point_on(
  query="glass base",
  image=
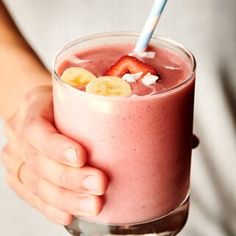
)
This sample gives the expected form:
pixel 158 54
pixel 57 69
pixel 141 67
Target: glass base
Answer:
pixel 168 225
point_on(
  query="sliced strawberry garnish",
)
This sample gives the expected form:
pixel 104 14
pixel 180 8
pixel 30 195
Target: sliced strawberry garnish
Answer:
pixel 131 65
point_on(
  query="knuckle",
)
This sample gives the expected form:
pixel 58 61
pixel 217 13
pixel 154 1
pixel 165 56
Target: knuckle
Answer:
pixel 29 98
pixel 64 178
pixel 28 122
pixel 32 159
pixel 36 92
pixel 28 127
pixel 33 185
pixel 27 110
pixel 60 197
pixel 4 154
pixel 34 97
pixel 9 129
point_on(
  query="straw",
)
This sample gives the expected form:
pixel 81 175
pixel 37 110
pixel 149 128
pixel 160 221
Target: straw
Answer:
pixel 150 25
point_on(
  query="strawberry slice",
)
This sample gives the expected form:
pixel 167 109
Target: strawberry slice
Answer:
pixel 129 64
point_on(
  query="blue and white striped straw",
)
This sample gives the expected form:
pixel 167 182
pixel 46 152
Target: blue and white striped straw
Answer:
pixel 150 26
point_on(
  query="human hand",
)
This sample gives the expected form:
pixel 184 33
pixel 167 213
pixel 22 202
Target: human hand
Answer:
pixel 47 169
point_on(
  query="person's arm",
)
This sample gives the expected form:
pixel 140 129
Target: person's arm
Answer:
pixel 20 68
pixel 43 167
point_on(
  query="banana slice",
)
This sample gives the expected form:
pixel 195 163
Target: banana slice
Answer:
pixel 109 86
pixel 77 76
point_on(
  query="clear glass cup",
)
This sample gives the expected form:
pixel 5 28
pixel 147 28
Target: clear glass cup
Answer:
pixel 149 179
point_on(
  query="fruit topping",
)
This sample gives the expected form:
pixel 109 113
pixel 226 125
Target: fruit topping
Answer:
pixel 131 65
pixel 77 76
pixel 109 86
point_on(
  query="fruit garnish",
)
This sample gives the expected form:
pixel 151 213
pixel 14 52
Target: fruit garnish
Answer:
pixel 77 76
pixel 109 86
pixel 131 65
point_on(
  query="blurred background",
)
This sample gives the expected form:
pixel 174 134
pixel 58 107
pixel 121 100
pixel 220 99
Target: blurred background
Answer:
pixel 208 29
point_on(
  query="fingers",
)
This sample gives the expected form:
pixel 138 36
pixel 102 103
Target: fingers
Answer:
pixel 10 130
pixel 85 179
pixel 76 204
pixel 52 213
pixel 44 194
pixel 52 144
pixel 35 126
pixel 55 189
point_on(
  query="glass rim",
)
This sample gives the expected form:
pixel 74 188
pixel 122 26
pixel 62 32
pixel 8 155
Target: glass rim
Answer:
pixel 177 45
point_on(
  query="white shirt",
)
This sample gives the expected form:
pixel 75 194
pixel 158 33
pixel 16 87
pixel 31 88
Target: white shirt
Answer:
pixel 208 29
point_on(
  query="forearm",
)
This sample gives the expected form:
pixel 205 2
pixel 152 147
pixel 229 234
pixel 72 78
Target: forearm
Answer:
pixel 20 68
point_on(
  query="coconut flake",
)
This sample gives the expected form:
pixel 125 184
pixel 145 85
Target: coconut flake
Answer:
pixel 172 67
pixel 145 54
pixel 149 79
pixel 132 77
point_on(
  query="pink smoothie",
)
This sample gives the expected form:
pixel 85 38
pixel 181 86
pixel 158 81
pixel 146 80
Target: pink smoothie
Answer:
pixel 143 143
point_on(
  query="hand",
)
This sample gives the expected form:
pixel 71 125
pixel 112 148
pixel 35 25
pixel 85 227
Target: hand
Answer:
pixel 46 168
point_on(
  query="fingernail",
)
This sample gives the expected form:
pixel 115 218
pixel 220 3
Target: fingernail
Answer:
pixel 86 205
pixel 71 155
pixel 91 183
